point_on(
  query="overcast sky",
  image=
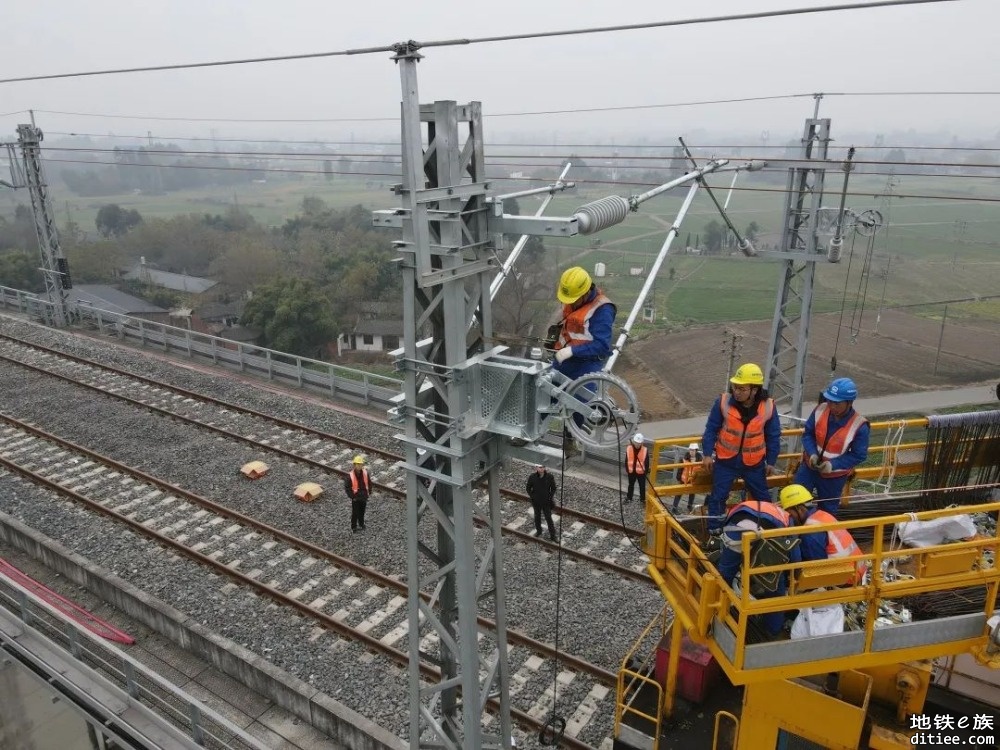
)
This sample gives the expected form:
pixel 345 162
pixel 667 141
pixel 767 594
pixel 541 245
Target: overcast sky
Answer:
pixel 947 46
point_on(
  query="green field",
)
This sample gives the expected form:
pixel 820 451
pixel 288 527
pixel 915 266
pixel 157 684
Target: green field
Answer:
pixel 931 251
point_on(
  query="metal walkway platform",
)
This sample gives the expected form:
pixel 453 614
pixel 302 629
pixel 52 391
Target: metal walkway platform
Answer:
pixel 113 693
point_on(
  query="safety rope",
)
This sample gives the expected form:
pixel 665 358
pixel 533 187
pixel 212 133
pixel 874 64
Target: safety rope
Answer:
pixel 862 295
pixel 551 733
pixel 890 451
pixel 843 305
pixel 896 544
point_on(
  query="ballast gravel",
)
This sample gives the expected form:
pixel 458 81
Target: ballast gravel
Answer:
pixel 599 616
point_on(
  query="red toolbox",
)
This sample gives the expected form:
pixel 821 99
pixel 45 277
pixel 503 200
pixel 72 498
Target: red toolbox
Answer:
pixel 697 672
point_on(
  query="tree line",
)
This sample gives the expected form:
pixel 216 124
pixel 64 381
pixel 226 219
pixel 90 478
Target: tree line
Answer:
pixel 158 168
pixel 307 280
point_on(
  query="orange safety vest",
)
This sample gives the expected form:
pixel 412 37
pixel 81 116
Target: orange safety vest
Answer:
pixel 838 442
pixel 762 507
pixel 689 470
pixel 354 481
pixel 839 542
pixel 576 323
pixel 635 463
pixel 736 438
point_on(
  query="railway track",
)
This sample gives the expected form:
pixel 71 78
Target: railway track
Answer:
pixel 375 600
pixel 333 591
pixel 588 538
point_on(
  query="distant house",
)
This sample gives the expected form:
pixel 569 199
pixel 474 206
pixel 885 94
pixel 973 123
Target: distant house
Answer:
pixel 225 313
pixel 177 282
pixel 371 336
pixel 216 319
pixel 103 297
pixel 241 334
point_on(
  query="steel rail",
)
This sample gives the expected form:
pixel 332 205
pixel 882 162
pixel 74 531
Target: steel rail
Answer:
pixel 620 570
pixel 598 521
pixel 602 675
pixel 313 549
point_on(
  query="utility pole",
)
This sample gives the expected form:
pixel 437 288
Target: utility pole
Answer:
pixel 732 343
pixel 447 266
pixel 467 408
pixel 961 227
pixel 937 356
pixel 28 173
pixel 798 246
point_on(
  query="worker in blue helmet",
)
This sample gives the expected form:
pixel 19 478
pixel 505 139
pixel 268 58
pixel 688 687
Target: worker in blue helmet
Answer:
pixel 834 442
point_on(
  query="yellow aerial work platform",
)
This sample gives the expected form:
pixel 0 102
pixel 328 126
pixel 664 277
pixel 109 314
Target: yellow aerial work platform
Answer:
pixel 788 683
pixel 895 456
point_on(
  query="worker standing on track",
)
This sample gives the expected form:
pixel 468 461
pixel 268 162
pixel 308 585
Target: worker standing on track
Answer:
pixel 541 488
pixel 358 486
pixel 636 466
pixel 742 440
pixel 834 441
pixel 584 341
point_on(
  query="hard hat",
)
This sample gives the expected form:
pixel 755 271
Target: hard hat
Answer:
pixel 748 374
pixel 573 284
pixel 638 437
pixel 358 460
pixel 841 389
pixel 794 494
pixel 693 447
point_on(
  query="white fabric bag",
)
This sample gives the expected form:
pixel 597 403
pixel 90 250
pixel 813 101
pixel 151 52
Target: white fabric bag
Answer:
pixel 812 621
pixel 936 531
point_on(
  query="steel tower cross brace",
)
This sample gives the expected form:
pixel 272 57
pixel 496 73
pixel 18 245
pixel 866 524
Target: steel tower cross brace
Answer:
pixel 447 263
pixel 54 267
pixel 785 372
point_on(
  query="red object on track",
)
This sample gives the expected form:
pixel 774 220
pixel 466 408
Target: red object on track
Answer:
pixel 78 614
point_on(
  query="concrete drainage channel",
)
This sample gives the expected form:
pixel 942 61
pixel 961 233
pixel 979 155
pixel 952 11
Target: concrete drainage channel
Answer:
pixel 341 724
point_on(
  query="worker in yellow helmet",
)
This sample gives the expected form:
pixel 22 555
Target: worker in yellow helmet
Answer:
pixel 797 501
pixel 742 439
pixel 588 316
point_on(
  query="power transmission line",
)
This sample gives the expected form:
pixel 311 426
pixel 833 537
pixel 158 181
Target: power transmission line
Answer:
pixel 407 46
pixel 621 183
pixel 299 155
pixel 527 113
pixel 318 141
pixel 224 168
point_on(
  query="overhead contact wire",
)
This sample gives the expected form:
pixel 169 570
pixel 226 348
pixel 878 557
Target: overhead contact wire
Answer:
pixel 413 45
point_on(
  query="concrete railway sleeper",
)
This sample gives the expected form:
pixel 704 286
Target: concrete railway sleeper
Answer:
pixel 302 444
pixel 196 528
